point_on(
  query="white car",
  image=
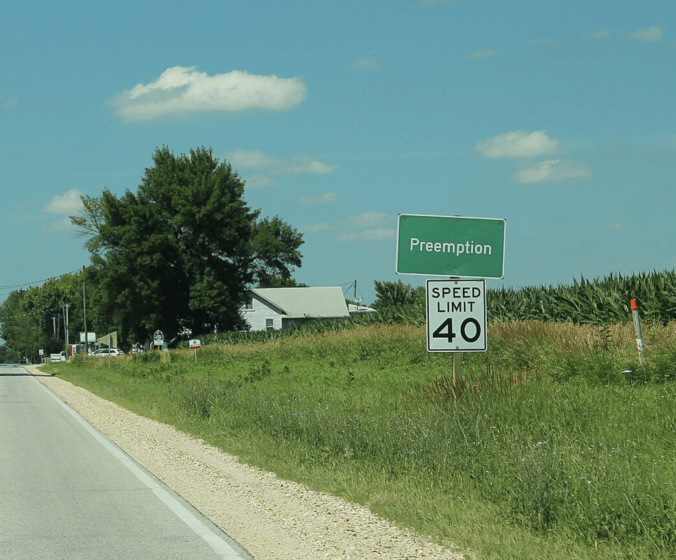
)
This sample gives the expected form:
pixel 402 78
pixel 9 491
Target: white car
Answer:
pixel 61 357
pixel 103 352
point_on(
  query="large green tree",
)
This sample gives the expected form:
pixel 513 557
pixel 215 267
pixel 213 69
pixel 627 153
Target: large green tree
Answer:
pixel 181 251
pixel 36 318
pixel 46 305
pixel 18 328
pixel 389 294
pixel 8 356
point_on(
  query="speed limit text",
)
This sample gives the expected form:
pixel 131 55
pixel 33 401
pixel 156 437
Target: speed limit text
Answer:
pixel 462 299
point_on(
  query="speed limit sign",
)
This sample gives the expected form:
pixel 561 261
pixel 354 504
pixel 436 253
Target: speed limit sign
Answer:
pixel 456 315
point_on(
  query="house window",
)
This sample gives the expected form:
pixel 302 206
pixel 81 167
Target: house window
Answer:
pixel 269 324
pixel 248 306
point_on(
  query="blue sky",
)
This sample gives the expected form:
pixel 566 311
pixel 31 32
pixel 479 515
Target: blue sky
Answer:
pixel 556 116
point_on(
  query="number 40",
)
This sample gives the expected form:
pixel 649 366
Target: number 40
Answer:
pixel 446 331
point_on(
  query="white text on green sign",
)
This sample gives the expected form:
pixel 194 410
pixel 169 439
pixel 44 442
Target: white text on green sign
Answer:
pixel 450 246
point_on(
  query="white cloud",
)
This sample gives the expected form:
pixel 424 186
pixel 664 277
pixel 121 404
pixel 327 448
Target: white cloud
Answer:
pixel 305 164
pixel 254 159
pixel 181 90
pixel 267 166
pixel 67 205
pixel 59 226
pixel 519 144
pixel 376 234
pixel 552 171
pixel 483 53
pixel 367 226
pixel 543 42
pixel 259 180
pixel 601 34
pixel 325 198
pixel 649 34
pixel 367 219
pixel 318 228
pixel 63 206
pixel 365 63
pixel 10 103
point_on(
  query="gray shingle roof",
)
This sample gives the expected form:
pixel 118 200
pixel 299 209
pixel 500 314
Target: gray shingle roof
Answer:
pixel 306 302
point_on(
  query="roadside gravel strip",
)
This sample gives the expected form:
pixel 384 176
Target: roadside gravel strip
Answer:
pixel 273 519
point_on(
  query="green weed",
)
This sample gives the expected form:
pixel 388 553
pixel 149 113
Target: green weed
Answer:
pixel 555 439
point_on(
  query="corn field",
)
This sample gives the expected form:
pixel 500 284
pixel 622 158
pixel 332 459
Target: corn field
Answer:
pixel 593 302
pixel 597 302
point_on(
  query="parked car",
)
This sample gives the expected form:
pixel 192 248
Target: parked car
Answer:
pixel 61 357
pixel 104 352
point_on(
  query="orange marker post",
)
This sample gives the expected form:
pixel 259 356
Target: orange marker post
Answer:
pixel 637 326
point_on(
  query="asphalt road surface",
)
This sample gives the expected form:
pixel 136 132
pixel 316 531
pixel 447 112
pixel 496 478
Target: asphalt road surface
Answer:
pixel 68 493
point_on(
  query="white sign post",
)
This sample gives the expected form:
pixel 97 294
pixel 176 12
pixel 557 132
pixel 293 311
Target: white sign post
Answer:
pixel 158 340
pixel 456 318
pixel 195 344
pixel 456 315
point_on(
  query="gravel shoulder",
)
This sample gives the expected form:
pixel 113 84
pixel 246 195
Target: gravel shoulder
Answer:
pixel 273 519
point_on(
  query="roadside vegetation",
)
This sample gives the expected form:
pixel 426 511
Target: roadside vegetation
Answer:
pixel 556 443
pixel 177 254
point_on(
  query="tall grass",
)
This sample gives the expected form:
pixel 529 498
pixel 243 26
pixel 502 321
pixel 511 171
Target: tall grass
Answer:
pixel 554 438
pixel 598 302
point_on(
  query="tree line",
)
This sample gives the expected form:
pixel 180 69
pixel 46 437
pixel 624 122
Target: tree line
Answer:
pixel 176 255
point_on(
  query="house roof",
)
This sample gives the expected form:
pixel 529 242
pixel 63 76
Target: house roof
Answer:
pixel 306 302
pixel 352 308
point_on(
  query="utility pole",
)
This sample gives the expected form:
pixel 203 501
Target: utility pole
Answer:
pixel 84 307
pixel 355 299
pixel 65 326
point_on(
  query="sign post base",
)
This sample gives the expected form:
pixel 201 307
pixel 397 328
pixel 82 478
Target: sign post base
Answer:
pixel 457 366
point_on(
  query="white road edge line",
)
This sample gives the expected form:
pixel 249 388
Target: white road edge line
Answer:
pixel 220 546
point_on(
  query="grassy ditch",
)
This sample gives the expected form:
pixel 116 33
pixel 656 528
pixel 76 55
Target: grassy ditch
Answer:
pixel 555 443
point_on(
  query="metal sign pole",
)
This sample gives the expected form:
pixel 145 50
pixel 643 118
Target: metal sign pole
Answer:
pixel 457 366
pixel 195 344
pixel 84 308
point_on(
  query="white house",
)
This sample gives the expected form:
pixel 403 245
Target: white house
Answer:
pixel 278 308
pixel 356 308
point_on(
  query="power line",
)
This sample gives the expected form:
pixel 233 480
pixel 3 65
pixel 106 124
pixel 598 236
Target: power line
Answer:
pixel 37 281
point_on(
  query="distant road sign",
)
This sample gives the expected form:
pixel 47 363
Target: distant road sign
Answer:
pixel 195 343
pixel 456 316
pixel 158 338
pixel 91 337
pixel 451 246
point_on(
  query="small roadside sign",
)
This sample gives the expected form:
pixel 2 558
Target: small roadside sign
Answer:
pixel 158 340
pixel 91 337
pixel 456 315
pixel 195 344
pixel 451 246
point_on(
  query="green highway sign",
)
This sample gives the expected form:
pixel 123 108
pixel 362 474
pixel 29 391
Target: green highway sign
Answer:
pixel 451 246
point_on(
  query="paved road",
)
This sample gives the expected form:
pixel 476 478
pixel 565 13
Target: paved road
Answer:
pixel 68 493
